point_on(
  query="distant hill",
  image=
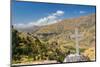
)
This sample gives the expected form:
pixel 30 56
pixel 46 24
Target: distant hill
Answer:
pixel 62 31
pixel 28 29
pixel 68 24
pixel 62 26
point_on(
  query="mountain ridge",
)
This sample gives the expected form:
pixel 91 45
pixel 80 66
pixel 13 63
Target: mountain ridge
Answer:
pixel 60 24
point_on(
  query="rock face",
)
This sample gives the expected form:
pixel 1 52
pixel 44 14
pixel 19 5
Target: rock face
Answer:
pixel 75 58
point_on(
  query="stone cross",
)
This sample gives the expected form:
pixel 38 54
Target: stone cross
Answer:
pixel 77 37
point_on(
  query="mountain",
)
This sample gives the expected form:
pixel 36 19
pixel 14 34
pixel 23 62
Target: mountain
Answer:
pixel 60 26
pixel 68 24
pixel 62 31
pixel 28 29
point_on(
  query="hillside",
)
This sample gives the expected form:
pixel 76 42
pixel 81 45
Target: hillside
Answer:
pixel 62 31
pixel 68 24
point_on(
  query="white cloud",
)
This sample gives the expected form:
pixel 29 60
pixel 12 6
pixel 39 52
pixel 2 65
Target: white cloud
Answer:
pixel 52 18
pixel 59 13
pixel 19 25
pixel 24 25
pixel 81 12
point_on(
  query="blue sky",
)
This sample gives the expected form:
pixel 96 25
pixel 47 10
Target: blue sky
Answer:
pixel 32 13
